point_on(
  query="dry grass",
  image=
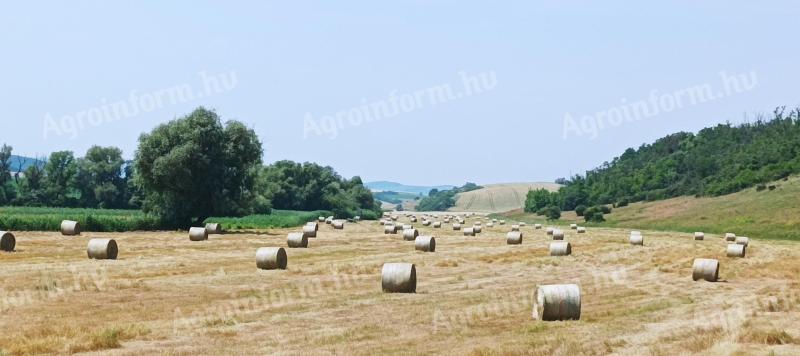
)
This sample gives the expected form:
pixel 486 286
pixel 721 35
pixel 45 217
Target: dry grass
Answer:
pixel 495 198
pixel 167 295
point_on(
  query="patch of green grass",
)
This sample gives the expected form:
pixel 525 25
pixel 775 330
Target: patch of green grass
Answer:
pixel 278 219
pixel 100 220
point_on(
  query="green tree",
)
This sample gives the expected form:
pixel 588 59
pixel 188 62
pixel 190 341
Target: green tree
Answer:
pixel 7 190
pixel 60 172
pixel 194 167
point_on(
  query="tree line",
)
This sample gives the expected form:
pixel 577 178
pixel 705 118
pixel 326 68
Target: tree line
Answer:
pixel 183 172
pixel 441 200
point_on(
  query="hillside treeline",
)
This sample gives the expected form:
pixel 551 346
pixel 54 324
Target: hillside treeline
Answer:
pixel 441 200
pixel 715 161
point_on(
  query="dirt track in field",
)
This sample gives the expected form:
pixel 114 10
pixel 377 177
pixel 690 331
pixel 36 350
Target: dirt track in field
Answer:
pixel 168 295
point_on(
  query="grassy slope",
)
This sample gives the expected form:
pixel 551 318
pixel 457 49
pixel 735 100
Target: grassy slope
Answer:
pixel 767 214
pixel 498 197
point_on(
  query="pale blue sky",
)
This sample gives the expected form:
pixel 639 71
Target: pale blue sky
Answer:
pixel 294 58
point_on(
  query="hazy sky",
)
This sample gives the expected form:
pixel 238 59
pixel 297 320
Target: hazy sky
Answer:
pixel 377 88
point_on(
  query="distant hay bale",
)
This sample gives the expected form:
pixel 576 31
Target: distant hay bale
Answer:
pixel 389 229
pixel 309 231
pixel 321 219
pixel 413 219
pixel 410 234
pixel 425 243
pixel 338 224
pixel 70 228
pixel 407 226
pixel 477 223
pixel 515 227
pixel 522 224
pixel 329 220
pixel 636 239
pixel 558 302
pixel 447 221
pixel 514 238
pixel 214 228
pixel 736 250
pixel 426 223
pixel 502 222
pixel 7 241
pixel 494 220
pixel 394 217
pixel 490 224
pixel 550 230
pixel 729 236
pixel 706 269
pixel 477 229
pixel 537 226
pixel 573 226
pixel 102 249
pixel 558 234
pixel 198 234
pixel 742 240
pixel 470 231
pixel 456 226
pixel 581 229
pixel 297 240
pixel 437 224
pixel 699 236
pixel 399 278
pixel 271 258
pixel 560 248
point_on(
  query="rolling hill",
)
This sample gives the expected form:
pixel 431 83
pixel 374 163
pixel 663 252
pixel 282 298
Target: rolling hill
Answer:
pixel 383 186
pixel 494 198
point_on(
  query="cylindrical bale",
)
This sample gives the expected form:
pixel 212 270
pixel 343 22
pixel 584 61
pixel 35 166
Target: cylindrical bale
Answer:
pixel 413 219
pixel 558 234
pixel 560 248
pixel 198 234
pixel 549 230
pixel 394 217
pixel 477 223
pixel 699 235
pixel 214 228
pixel 736 250
pixel 637 240
pixel 425 243
pixel 399 278
pixel 410 234
pixel 314 224
pixel 407 226
pixel 494 220
pixel 581 230
pixel 102 249
pixel 522 224
pixel 389 229
pixel 469 231
pixel 477 229
pixel 502 222
pixel 537 226
pixel 558 302
pixel 490 224
pixel 271 258
pixel 297 240
pixel 321 219
pixel 329 220
pixel 514 238
pixel 70 228
pixel 456 226
pixel 338 224
pixel 515 227
pixel 446 221
pixel 573 226
pixel 742 240
pixel 705 268
pixel 426 223
pixel 437 224
pixel 7 241
pixel 309 231
pixel 729 236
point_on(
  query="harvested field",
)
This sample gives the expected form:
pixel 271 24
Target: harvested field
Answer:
pixel 168 295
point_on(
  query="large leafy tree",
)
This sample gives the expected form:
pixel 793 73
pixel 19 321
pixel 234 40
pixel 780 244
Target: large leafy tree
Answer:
pixel 6 189
pixel 195 167
pixel 60 172
pixel 101 178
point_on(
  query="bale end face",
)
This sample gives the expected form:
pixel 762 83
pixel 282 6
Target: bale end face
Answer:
pixel 102 249
pixel 558 302
pixel 271 258
pixel 399 278
pixel 7 241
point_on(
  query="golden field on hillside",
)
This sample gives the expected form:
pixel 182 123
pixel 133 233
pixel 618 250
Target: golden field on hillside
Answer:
pixel 495 198
pixel 168 295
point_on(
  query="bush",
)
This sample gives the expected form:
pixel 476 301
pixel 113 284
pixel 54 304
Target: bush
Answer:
pixel 541 212
pixel 594 214
pixel 605 209
pixel 580 209
pixel 622 202
pixel 761 187
pixel 553 213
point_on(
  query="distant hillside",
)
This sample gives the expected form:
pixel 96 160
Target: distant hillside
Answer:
pixel 495 198
pixel 382 186
pixel 20 163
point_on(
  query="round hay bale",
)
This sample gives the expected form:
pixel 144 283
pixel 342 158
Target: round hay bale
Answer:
pixel 399 278
pixel 389 229
pixel 706 269
pixel 558 234
pixel 560 248
pixel 549 230
pixel 581 230
pixel 309 231
pixel 742 240
pixel 699 236
pixel 425 243
pixel 102 249
pixel 214 228
pixel 437 224
pixel 537 226
pixel 446 221
pixel 491 224
pixel 413 219
pixel 338 224
pixel 394 217
pixel 198 234
pixel 502 222
pixel 736 250
pixel 407 226
pixel 410 234
pixel 515 227
pixel 70 228
pixel 573 226
pixel 7 241
pixel 477 229
pixel 321 219
pixel 477 223
pixel 456 226
pixel 522 224
pixel 514 238
pixel 426 223
pixel 729 236
pixel 271 258
pixel 314 224
pixel 558 302
pixel 636 240
pixel 494 220
pixel 297 240
pixel 469 231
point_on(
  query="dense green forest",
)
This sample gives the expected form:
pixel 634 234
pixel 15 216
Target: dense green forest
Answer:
pixel 441 200
pixel 717 160
pixel 184 171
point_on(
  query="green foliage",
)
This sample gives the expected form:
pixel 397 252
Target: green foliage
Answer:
pixel 99 220
pixel 194 167
pixel 622 202
pixel 278 219
pixel 552 212
pixel 540 198
pixel 580 210
pixel 441 200
pixel 594 214
pixel 394 197
pixel 7 189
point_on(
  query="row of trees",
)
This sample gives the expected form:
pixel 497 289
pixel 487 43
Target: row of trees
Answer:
pixel 441 200
pixel 185 171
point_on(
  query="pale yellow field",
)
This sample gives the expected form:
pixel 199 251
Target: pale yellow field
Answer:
pixel 495 198
pixel 167 295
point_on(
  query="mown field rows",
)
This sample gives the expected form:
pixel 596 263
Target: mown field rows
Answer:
pixel 166 294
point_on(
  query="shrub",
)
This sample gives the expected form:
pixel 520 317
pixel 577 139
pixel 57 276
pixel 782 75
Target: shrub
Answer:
pixel 761 187
pixel 553 212
pixel 622 202
pixel 605 209
pixel 580 209
pixel 594 214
